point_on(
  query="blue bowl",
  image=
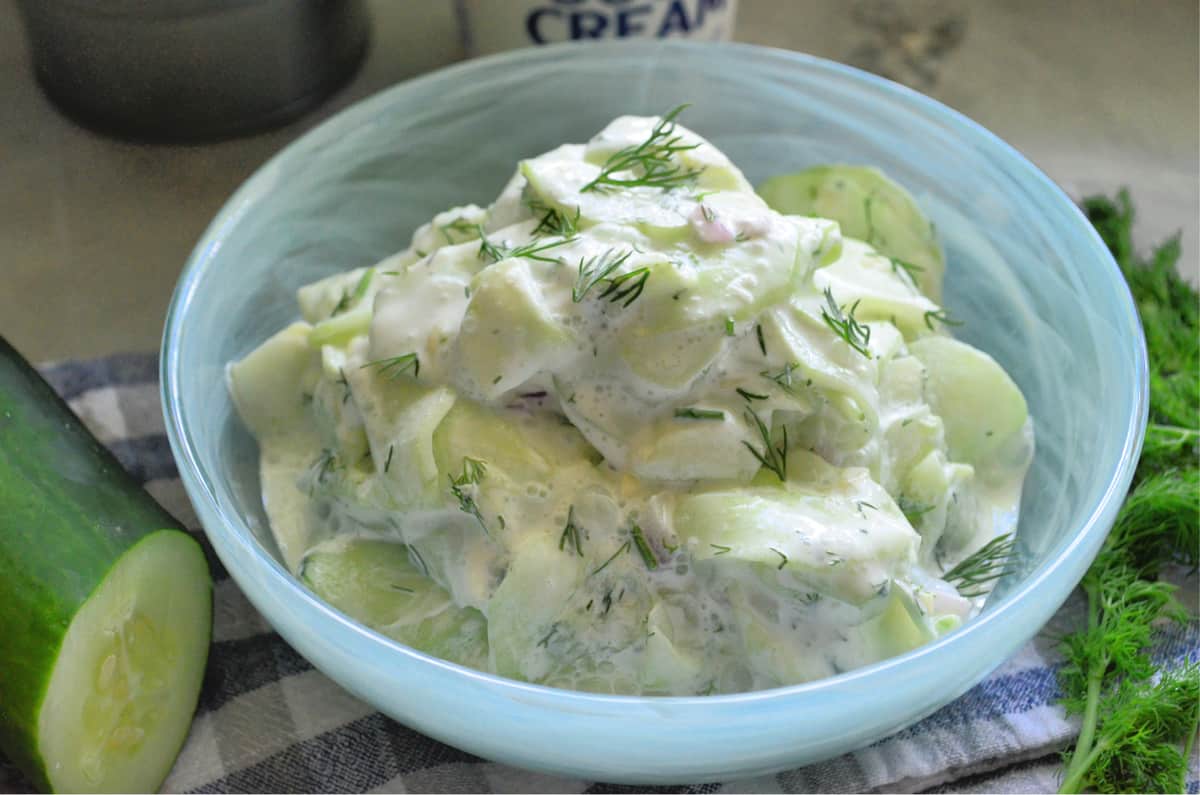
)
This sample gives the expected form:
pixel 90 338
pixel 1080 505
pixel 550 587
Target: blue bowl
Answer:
pixel 1027 273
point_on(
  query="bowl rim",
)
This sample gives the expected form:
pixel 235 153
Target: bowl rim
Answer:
pixel 1090 530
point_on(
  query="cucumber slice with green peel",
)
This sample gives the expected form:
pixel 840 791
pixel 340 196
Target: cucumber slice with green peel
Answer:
pixel 374 582
pixel 869 207
pixel 981 405
pixel 106 610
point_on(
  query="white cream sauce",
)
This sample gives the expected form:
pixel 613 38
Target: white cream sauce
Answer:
pixel 614 385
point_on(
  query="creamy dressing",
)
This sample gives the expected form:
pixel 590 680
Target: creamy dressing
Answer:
pixel 665 439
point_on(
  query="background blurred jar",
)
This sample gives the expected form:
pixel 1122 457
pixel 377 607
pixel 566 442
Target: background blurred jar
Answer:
pixel 493 25
pixel 192 70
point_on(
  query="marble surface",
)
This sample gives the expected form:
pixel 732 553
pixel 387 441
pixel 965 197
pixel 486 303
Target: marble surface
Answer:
pixel 1099 93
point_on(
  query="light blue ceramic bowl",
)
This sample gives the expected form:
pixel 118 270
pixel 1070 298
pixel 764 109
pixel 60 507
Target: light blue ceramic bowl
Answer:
pixel 1034 283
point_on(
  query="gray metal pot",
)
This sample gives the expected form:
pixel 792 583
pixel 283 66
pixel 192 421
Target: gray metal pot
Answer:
pixel 192 70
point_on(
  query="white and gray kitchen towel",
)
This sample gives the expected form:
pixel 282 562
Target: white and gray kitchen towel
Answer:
pixel 269 721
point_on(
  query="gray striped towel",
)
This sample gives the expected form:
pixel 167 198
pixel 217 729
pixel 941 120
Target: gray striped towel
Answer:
pixel 268 721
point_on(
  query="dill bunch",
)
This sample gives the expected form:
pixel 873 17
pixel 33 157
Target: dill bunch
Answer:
pixel 1170 315
pixel 1138 724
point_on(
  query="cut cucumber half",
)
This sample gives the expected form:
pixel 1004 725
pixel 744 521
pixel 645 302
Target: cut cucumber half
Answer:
pixel 105 611
pixel 122 692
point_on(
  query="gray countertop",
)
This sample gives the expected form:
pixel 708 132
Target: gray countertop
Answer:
pixel 1099 94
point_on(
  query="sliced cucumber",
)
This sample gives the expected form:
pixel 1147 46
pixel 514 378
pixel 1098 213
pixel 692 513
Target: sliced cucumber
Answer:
pixel 508 332
pixel 106 613
pixel 374 582
pixel 977 400
pixel 869 207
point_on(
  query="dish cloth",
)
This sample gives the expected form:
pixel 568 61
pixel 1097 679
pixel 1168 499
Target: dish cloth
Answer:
pixel 268 721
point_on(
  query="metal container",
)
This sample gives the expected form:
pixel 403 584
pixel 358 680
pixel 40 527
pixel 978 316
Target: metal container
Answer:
pixel 192 70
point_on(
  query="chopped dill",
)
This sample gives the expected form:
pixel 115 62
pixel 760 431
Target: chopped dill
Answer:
pixel 626 287
pixel 535 249
pixel 783 378
pixel 643 547
pixel 463 488
pixel 623 548
pixel 907 268
pixel 350 299
pixel 783 559
pixel 570 534
pixel 940 316
pixel 844 324
pixel 699 414
pixel 772 457
pixel 912 509
pixel 554 222
pixel 463 227
pixel 652 161
pixel 749 396
pixel 396 366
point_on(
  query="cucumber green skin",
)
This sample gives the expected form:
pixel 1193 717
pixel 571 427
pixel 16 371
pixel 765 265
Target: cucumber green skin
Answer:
pixel 68 511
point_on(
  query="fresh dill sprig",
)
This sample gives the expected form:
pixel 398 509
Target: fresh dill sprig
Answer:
pixel 1138 750
pixel 652 161
pixel 535 249
pixel 941 316
pixel 907 268
pixel 1137 727
pixel 772 457
pixel 762 343
pixel 856 335
pixel 721 549
pixel 489 250
pixel 1109 656
pixel 783 559
pixel 982 567
pixel 395 366
pixel 626 287
pixel 643 547
pixel 553 222
pixel 1170 314
pixel 570 534
pixel 463 488
pixel 594 270
pixel 690 413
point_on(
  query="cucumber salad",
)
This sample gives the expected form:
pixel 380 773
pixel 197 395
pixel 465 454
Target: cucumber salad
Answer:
pixel 635 428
